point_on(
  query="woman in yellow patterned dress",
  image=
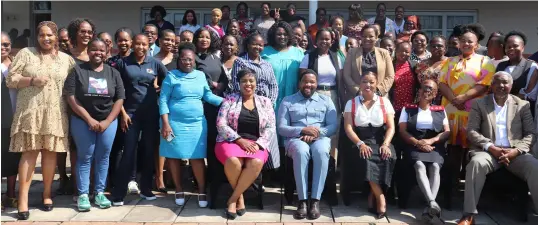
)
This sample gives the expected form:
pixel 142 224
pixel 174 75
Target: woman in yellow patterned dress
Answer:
pixel 463 78
pixel 40 123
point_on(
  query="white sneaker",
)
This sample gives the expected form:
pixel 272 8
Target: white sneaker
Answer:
pixel 133 188
pixel 180 201
pixel 119 203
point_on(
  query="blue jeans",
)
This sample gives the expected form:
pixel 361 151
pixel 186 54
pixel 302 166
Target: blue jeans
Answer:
pixel 301 153
pixel 92 147
pixel 148 125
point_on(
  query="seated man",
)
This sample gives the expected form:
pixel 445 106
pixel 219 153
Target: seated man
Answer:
pixel 501 132
pixel 307 120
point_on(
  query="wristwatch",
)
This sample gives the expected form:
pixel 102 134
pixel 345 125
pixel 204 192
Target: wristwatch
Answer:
pixel 359 144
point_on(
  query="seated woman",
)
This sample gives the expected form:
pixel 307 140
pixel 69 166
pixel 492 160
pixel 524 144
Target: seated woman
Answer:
pixel 369 125
pixel 246 124
pixel 426 135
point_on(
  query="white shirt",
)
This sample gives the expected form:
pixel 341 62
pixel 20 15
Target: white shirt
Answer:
pixel 12 91
pixel 374 115
pixel 399 29
pixel 326 70
pixel 424 119
pixel 192 28
pixel 500 126
pixel 534 92
pixel 263 26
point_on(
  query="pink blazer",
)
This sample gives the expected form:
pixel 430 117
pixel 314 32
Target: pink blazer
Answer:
pixel 229 114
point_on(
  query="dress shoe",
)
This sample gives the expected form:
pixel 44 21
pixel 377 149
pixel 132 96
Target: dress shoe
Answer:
pixel 23 215
pixel 313 211
pixel 300 213
pixel 466 220
pixel 241 212
pixel 230 215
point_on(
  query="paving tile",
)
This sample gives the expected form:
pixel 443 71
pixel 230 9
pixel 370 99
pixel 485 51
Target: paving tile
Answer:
pixel 295 223
pixel 192 213
pixel 9 214
pixel 104 223
pixel 57 214
pixel 76 223
pixel 270 212
pixel 129 223
pixel 269 224
pixel 165 201
pixel 19 223
pixel 151 214
pixel 168 224
pixel 356 212
pixel 111 214
pixel 326 215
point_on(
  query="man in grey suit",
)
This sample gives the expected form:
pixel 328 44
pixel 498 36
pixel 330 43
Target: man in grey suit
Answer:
pixel 501 131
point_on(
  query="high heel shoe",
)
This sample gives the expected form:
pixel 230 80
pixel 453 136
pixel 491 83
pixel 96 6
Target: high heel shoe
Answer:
pixel 241 212
pixel 381 215
pixel 46 207
pixel 23 215
pixel 434 209
pixel 230 215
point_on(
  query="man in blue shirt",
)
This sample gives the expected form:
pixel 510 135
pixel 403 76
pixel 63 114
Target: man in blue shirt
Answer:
pixel 307 120
pixel 153 35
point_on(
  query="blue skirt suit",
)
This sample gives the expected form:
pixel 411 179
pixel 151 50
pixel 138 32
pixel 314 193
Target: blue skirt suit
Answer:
pixel 181 98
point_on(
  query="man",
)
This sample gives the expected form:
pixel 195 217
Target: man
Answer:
pixel 386 24
pixel 307 120
pixel 292 18
pixel 265 21
pixel 152 32
pixel 399 22
pixel 321 22
pixel 500 132
pixel 63 40
pixel 225 17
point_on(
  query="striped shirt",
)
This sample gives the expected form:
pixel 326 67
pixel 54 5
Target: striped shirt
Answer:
pixel 266 84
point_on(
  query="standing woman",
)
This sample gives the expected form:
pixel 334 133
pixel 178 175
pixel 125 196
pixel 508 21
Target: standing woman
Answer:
pixel 158 13
pixel 524 71
pixel 169 60
pixel 216 15
pixel 139 118
pixel 189 22
pixel 369 125
pixel 412 24
pixel 266 83
pixel 245 22
pixel 368 58
pixel 81 31
pixel 183 125
pixel 233 29
pixel 40 123
pixel 95 94
pixel 228 55
pixel 325 62
pixel 356 22
pixel 284 58
pixel 420 44
pixel 463 78
pixel 430 69
pixel 10 160
pixel 124 39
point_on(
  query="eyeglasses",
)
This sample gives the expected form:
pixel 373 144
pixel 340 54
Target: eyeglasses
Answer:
pixel 6 45
pixel 88 32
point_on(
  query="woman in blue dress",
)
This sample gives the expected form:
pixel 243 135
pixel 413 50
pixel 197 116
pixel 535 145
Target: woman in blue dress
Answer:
pixel 183 125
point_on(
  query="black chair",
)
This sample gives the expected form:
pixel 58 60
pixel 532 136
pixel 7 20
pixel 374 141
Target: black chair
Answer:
pixel 329 190
pixel 502 182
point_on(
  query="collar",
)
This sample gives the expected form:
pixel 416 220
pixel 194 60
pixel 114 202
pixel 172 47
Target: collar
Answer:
pixel 153 46
pixel 376 97
pixel 248 58
pixel 131 58
pixel 497 105
pixel 314 97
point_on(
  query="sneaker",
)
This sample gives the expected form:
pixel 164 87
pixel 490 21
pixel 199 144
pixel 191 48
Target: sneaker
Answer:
pixel 133 188
pixel 83 203
pixel 148 196
pixel 117 202
pixel 102 201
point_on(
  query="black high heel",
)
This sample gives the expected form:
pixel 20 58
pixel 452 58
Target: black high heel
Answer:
pixel 230 215
pixel 241 212
pixel 47 207
pixel 23 215
pixel 381 215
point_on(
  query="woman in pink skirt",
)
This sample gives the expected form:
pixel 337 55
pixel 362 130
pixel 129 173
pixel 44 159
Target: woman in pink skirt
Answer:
pixel 246 125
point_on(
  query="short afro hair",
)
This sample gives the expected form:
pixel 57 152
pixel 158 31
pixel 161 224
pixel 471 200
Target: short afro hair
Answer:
pixel 516 33
pixel 155 9
pixel 474 28
pixel 271 34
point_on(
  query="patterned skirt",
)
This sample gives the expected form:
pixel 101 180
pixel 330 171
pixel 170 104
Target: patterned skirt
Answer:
pixel 24 142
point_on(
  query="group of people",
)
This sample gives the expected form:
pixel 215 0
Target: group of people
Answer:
pixel 247 91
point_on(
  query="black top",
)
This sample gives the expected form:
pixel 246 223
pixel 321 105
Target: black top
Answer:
pixel 7 108
pixel 248 124
pixel 172 65
pixel 95 91
pixel 369 63
pixel 166 26
pixel 77 61
pixel 211 65
pixel 382 24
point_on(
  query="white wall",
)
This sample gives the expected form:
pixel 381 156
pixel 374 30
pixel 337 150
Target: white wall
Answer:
pixel 15 14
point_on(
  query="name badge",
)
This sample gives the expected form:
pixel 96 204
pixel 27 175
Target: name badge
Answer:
pixel 150 71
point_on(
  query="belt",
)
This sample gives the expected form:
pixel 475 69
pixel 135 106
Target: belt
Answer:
pixel 326 87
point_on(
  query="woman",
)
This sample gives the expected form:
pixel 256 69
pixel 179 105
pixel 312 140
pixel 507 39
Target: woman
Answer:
pixel 369 125
pixel 168 59
pixel 104 36
pixel 266 83
pixel 352 43
pixel 158 13
pixel 337 26
pixel 524 71
pixel 81 32
pixel 183 125
pixel 245 22
pixel 139 119
pixel 424 127
pixel 233 29
pixel 292 18
pixel 10 161
pixel 405 85
pixel 389 45
pixel 263 23
pixel 368 58
pixel 420 42
pixel 124 39
pixel 325 62
pixel 216 15
pixel 39 74
pixel 412 25
pixel 462 79
pixel 306 43
pixel 284 58
pixel 246 125
pixel 356 22
pixel 189 22
pixel 495 46
pixel 95 93
pixel 430 69
pixel 228 55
